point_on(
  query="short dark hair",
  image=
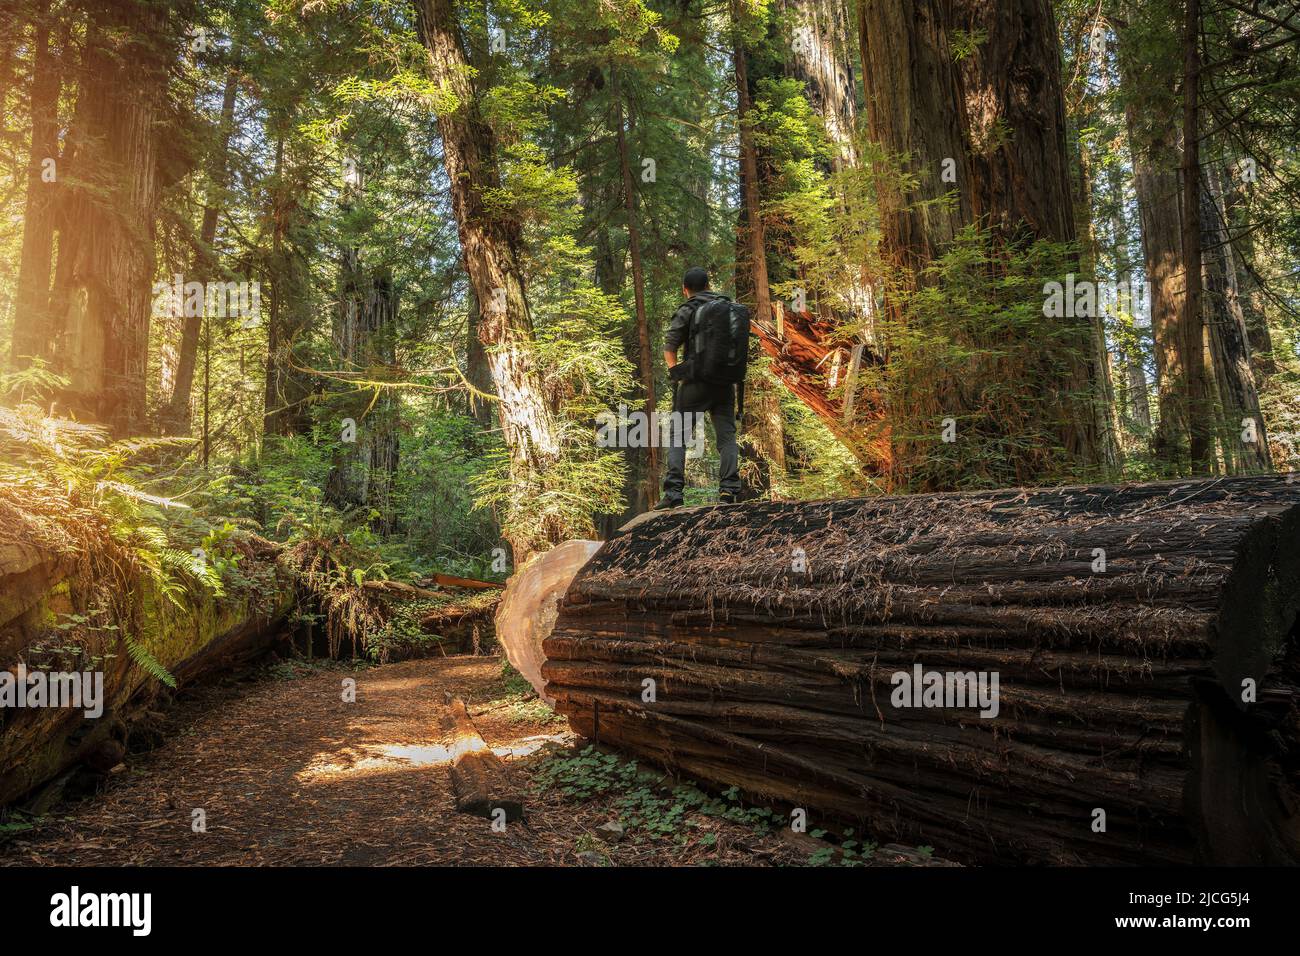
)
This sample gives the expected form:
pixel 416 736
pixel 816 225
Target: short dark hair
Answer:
pixel 695 280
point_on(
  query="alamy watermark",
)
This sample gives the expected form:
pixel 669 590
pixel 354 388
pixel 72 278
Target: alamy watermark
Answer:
pixel 1087 298
pixel 76 690
pixel 946 689
pixel 237 300
pixel 75 908
pixel 629 429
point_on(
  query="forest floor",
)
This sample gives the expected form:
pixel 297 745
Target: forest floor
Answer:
pixel 287 773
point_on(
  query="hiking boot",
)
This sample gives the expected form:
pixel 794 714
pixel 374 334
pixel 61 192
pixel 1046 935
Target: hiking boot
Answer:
pixel 667 503
pixel 728 498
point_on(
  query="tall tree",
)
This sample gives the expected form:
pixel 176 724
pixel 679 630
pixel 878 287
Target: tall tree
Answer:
pixel 649 483
pixel 176 414
pixel 1244 435
pixel 491 243
pixel 1200 412
pixel 109 217
pixel 1020 179
pixel 31 335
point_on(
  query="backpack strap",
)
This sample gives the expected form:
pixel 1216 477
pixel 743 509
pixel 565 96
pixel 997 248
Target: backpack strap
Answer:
pixel 740 404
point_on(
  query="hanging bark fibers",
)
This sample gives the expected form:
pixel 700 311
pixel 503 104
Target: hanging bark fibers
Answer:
pixel 772 632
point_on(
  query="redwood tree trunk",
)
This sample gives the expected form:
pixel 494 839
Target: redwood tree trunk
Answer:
pixel 288 387
pixel 31 335
pixel 1153 147
pixel 1200 411
pixel 110 300
pixel 176 417
pixel 649 457
pixel 914 110
pixel 1245 446
pixel 491 245
pixel 1020 184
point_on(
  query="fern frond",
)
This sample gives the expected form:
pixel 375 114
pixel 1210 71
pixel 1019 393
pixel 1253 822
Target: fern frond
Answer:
pixel 147 662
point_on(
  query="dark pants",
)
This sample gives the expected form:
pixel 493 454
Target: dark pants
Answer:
pixel 719 401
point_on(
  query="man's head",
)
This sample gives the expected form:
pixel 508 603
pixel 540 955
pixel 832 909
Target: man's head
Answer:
pixel 695 280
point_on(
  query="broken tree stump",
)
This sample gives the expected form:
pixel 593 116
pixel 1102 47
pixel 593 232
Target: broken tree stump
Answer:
pixel 480 782
pixel 1144 638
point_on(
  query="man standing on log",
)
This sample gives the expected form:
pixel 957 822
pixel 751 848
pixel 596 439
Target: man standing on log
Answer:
pixel 713 333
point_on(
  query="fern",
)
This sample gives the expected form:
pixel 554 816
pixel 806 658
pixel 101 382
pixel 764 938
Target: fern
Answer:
pixel 147 662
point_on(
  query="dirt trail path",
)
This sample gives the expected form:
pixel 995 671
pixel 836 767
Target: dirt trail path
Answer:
pixel 287 773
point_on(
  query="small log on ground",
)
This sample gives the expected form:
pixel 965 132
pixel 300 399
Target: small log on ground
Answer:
pixel 1144 638
pixel 480 781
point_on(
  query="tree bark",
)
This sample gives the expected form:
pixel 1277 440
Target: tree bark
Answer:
pixel 491 246
pixel 1200 411
pixel 914 111
pixel 1245 445
pixel 289 389
pixel 176 416
pixel 110 300
pixel 1153 147
pixel 32 333
pixel 1020 183
pixel 1120 686
pixel 649 463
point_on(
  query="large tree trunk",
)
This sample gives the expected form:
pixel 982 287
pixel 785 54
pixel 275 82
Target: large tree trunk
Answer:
pixel 914 111
pixel 1137 403
pixel 649 457
pixel 1200 410
pixel 774 666
pixel 31 333
pixel 191 633
pixel 762 425
pixel 1250 291
pixel 365 320
pixel 476 366
pixel 491 246
pixel 1245 446
pixel 1020 183
pixel 110 300
pixel 176 415
pixel 289 388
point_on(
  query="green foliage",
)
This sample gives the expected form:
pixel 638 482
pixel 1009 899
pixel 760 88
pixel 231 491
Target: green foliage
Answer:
pixel 646 809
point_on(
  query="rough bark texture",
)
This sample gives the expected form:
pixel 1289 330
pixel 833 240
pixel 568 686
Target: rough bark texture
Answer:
pixel 1244 451
pixel 914 111
pixel 289 387
pixel 1020 181
pixel 108 300
pixel 1156 184
pixel 491 246
pixel 1200 410
pixel 31 333
pixel 772 632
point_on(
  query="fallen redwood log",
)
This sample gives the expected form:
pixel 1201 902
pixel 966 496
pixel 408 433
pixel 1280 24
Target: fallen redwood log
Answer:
pixel 480 782
pixel 1144 639
pixel 45 582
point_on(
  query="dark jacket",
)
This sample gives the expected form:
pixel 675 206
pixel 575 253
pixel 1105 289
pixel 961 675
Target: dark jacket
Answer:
pixel 680 325
pixel 695 396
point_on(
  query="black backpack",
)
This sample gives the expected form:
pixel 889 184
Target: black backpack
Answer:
pixel 718 342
